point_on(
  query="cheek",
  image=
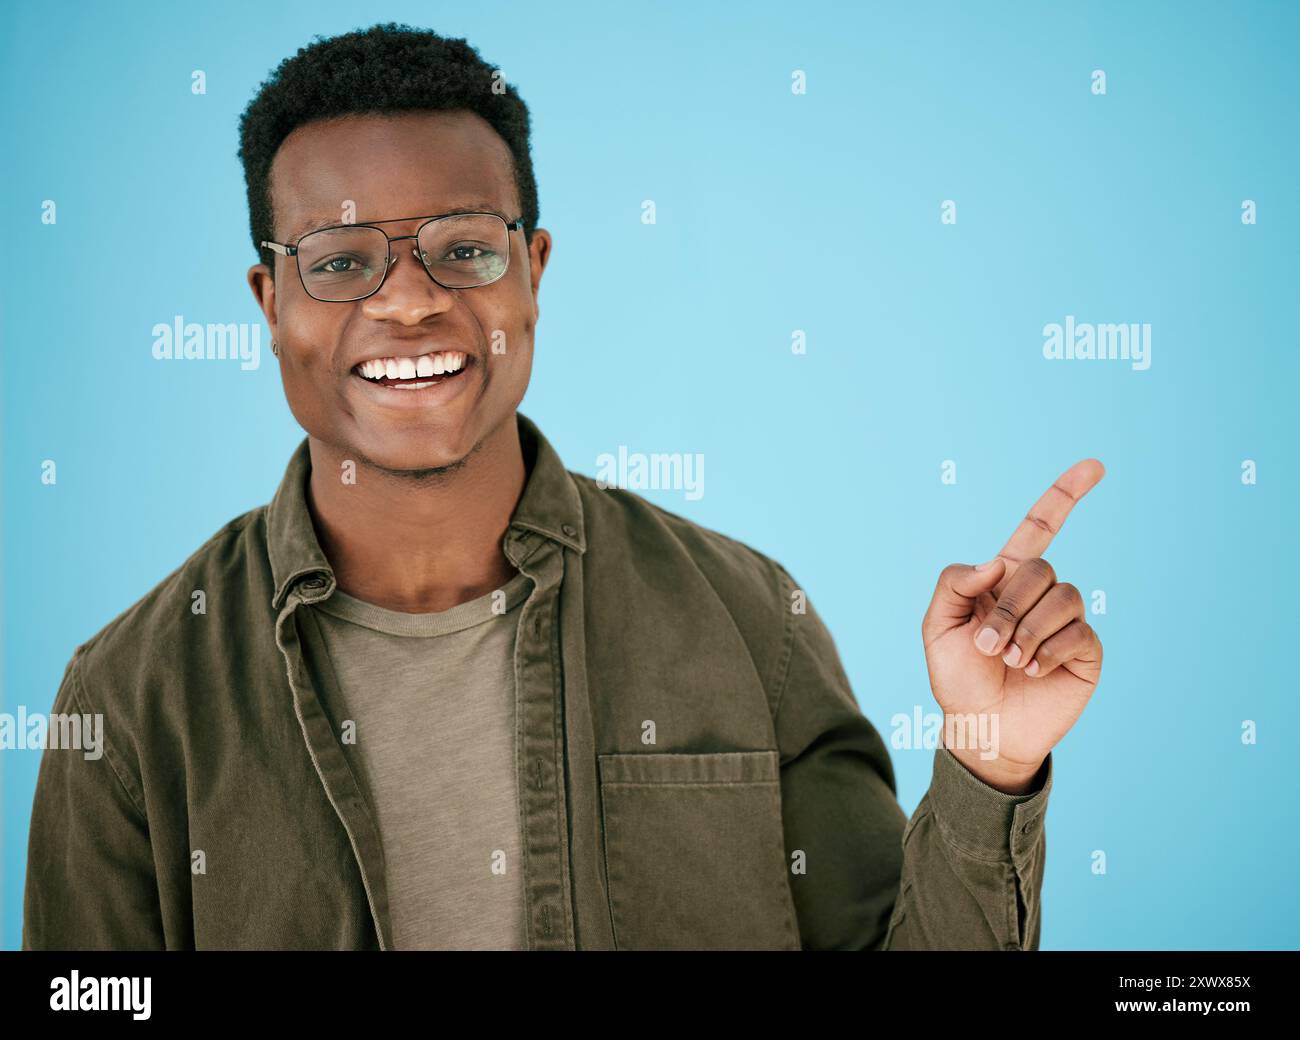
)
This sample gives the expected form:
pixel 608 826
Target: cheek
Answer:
pixel 507 331
pixel 304 373
pixel 513 368
pixel 311 334
pixel 310 386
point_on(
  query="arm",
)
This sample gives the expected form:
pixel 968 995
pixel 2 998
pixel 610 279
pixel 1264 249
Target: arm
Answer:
pixel 963 873
pixel 972 865
pixel 90 870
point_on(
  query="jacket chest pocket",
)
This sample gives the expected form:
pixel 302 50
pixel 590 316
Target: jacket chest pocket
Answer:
pixel 695 851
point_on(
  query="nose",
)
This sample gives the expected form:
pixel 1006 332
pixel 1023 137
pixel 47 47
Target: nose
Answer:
pixel 394 258
pixel 407 297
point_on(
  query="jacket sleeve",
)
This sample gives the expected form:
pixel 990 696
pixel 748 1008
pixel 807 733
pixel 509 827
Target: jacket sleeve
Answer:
pixel 90 871
pixel 965 872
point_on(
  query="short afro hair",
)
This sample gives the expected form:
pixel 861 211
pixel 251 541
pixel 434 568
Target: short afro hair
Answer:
pixel 386 68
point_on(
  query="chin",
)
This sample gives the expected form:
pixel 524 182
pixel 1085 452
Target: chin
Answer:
pixel 416 455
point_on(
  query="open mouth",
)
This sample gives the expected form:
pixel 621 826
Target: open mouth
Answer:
pixel 414 373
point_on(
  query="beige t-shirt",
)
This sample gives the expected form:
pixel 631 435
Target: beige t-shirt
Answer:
pixel 431 702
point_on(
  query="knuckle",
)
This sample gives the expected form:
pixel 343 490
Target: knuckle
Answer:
pixel 1069 593
pixel 948 573
pixel 1039 568
pixel 1005 611
pixel 1041 524
pixel 1091 638
pixel 1027 635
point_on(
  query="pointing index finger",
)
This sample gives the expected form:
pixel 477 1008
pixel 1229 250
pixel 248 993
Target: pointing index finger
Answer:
pixel 1046 516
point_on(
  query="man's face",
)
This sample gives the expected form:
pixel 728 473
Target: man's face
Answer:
pixel 402 165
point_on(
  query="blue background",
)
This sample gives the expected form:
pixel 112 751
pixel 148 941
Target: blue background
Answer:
pixel 776 212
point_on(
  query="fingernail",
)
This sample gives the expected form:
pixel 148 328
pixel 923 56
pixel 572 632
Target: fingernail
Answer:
pixel 986 640
pixel 1031 668
pixel 1012 656
pixel 986 566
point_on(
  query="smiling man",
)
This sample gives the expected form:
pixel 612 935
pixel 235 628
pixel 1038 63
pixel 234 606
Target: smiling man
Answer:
pixel 444 693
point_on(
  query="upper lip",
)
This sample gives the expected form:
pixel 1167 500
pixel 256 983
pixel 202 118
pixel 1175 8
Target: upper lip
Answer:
pixel 413 350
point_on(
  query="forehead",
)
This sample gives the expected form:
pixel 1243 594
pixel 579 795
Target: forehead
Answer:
pixel 394 165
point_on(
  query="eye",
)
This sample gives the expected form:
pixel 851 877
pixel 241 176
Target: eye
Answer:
pixel 467 252
pixel 337 265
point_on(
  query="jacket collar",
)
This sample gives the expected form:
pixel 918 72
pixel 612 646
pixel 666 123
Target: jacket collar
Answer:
pixel 550 506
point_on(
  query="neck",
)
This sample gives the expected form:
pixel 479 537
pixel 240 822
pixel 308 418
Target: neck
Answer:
pixel 418 545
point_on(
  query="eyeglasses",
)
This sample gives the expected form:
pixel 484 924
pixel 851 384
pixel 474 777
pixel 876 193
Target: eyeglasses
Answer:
pixel 350 262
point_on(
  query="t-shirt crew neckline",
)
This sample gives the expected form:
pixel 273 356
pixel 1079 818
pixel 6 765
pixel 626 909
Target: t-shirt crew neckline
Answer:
pixel 438 623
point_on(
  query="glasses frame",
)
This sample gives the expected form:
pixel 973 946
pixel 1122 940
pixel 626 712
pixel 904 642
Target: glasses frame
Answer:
pixel 287 250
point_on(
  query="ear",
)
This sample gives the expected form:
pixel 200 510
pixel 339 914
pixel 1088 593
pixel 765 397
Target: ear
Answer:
pixel 539 252
pixel 262 282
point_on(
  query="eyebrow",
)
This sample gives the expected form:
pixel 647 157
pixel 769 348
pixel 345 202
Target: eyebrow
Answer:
pixel 468 207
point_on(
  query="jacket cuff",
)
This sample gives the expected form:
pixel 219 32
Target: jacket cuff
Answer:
pixel 982 821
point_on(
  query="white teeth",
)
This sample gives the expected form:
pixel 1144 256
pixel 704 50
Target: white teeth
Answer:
pixel 433 364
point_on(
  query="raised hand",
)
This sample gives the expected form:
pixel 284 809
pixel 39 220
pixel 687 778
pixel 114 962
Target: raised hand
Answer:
pixel 1010 655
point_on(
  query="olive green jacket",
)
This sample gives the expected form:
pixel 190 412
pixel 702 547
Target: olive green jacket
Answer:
pixel 693 768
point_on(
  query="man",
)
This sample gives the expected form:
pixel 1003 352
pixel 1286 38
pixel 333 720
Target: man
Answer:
pixel 441 692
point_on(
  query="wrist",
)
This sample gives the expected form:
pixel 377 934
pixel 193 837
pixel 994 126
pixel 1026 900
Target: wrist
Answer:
pixel 1007 777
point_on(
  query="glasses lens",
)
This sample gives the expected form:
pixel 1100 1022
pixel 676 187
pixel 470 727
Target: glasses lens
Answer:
pixel 345 263
pixel 466 249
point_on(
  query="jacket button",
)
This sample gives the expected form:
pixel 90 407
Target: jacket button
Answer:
pixel 314 582
pixel 570 530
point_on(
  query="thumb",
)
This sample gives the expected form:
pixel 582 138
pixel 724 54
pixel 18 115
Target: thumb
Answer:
pixel 960 585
